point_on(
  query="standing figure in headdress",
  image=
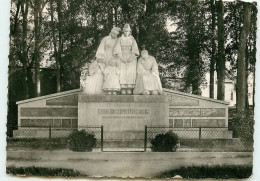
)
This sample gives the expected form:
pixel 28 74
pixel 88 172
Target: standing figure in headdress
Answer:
pixel 126 49
pixel 106 47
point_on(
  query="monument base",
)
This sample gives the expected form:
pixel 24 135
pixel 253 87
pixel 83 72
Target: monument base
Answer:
pixel 123 116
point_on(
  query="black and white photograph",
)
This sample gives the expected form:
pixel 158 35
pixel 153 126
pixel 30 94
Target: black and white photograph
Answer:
pixel 147 89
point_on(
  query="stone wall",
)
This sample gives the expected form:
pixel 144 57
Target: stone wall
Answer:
pixel 58 110
pixel 125 114
pixel 187 110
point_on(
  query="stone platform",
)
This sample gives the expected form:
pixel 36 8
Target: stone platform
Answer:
pixel 124 117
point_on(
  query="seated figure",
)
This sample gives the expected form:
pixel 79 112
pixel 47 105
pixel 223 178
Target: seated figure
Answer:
pixel 111 78
pixel 148 81
pixel 93 83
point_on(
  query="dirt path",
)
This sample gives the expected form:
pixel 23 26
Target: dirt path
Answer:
pixel 123 164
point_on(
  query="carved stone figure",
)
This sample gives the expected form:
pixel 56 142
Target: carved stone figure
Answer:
pixel 126 49
pixel 148 81
pixel 111 78
pixel 106 47
pixel 93 83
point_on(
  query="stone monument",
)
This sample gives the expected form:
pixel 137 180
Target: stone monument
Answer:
pixel 125 116
pixel 124 95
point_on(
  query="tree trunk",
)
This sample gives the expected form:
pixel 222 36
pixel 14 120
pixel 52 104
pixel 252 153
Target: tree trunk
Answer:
pixel 24 9
pixel 212 60
pixel 54 42
pixel 241 64
pixel 221 53
pixel 60 45
pixel 247 74
pixel 115 15
pixel 253 87
pixel 36 47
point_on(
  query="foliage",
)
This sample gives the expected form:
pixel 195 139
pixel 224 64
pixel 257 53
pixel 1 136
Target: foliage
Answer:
pixel 81 141
pixel 243 127
pixel 40 171
pixel 165 142
pixel 68 37
pixel 192 38
pixel 217 172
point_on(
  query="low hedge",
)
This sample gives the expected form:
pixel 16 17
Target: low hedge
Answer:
pixel 81 141
pixel 165 142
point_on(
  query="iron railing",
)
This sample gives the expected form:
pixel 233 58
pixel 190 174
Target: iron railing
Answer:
pixel 201 138
pixel 52 137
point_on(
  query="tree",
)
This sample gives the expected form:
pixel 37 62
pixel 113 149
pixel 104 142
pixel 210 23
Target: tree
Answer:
pixel 213 50
pixel 221 67
pixel 36 55
pixel 241 62
pixel 191 35
pixel 24 53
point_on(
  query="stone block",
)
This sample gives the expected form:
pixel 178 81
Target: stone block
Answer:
pixel 49 112
pixel 213 112
pixel 36 122
pixel 184 112
pixel 71 100
pixel 208 122
pixel 57 123
pixel 186 123
pixel 170 123
pixel 178 123
pixel 181 101
pixel 66 123
pixel 74 123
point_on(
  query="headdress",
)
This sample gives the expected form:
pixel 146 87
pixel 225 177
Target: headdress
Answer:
pixel 144 52
pixel 127 27
pixel 116 30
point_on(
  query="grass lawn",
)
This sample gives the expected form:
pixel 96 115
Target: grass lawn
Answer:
pixel 39 171
pixel 219 172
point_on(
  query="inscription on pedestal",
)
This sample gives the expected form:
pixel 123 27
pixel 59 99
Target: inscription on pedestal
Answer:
pixel 119 117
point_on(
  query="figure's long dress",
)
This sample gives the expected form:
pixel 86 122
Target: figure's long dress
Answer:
pixel 126 46
pixel 147 76
pixel 111 75
pixel 105 49
pixel 94 82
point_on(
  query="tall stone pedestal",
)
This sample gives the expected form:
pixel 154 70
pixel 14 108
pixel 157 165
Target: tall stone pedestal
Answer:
pixel 123 116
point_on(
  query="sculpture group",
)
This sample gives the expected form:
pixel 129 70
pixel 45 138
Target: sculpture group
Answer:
pixel 116 69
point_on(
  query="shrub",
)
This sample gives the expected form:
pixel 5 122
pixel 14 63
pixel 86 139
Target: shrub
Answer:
pixel 165 142
pixel 81 141
pixel 243 127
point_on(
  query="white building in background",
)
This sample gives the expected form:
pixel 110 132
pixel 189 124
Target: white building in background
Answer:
pixel 230 90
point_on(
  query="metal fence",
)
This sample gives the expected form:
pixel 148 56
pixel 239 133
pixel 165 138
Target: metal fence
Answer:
pixel 190 139
pixel 201 138
pixel 51 137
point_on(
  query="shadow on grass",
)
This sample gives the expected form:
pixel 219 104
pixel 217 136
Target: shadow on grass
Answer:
pixel 219 172
pixel 39 171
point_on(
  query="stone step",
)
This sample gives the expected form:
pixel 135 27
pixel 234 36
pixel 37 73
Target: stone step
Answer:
pixel 123 144
pixel 123 135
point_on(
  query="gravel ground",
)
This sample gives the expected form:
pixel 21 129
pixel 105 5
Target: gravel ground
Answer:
pixel 124 164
